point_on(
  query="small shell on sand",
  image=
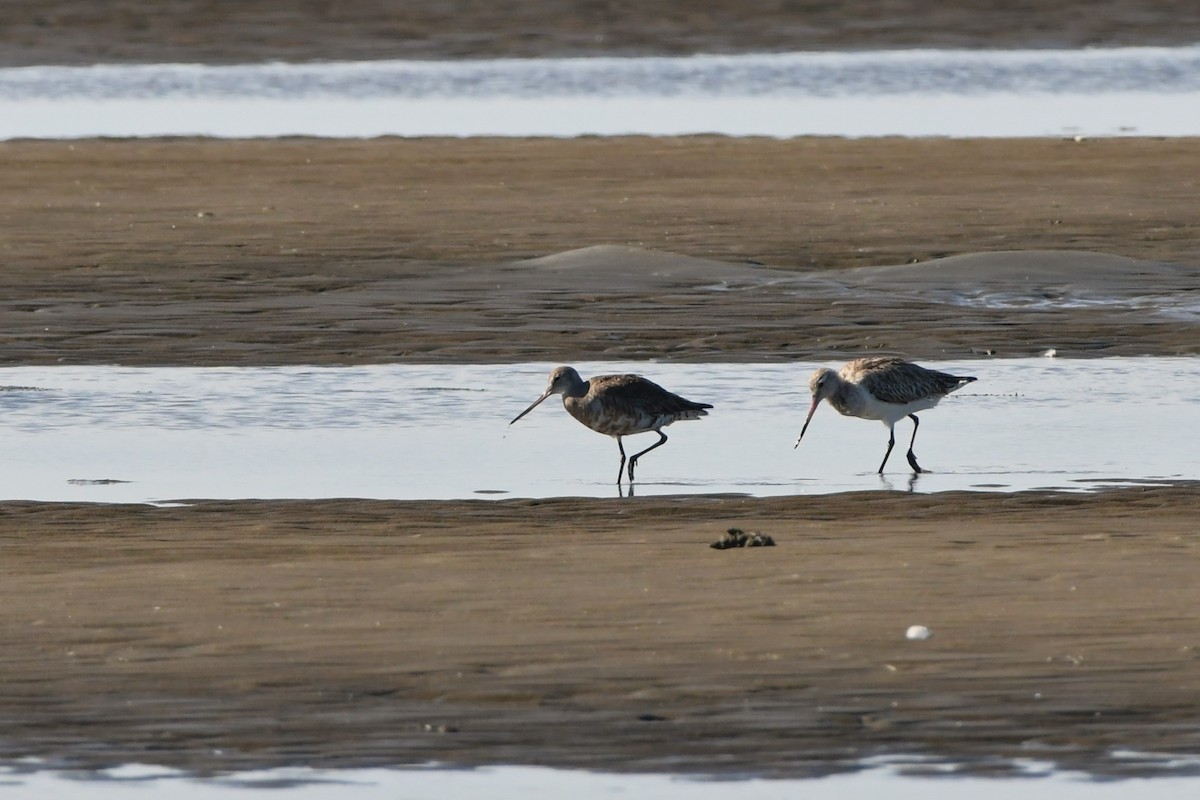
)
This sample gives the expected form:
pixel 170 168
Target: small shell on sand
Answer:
pixel 918 633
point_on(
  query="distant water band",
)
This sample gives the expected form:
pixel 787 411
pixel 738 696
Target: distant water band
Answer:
pixel 1142 69
pixel 1103 92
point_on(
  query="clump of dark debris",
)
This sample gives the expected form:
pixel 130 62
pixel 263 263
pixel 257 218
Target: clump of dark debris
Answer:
pixel 736 537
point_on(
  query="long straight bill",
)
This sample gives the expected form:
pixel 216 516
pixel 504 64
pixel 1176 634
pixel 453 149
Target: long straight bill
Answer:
pixel 811 410
pixel 531 407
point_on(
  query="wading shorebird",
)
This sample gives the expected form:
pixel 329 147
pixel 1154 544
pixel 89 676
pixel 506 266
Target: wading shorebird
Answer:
pixel 619 405
pixel 882 388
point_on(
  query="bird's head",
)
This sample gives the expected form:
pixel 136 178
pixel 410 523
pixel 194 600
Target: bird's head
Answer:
pixel 822 384
pixel 563 380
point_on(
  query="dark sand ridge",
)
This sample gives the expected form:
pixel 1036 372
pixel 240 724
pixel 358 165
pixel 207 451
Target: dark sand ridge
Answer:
pixel 78 31
pixel 83 32
pixel 594 303
pixel 1076 303
pixel 1036 274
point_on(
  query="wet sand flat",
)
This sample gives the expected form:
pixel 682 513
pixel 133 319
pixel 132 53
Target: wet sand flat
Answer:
pixel 340 252
pixel 602 634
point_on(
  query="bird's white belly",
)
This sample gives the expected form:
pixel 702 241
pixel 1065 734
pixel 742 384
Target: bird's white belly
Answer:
pixel 890 413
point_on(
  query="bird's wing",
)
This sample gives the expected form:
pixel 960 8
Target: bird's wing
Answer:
pixel 859 368
pixel 894 380
pixel 635 394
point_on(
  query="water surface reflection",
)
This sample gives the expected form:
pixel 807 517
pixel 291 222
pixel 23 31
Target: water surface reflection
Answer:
pixel 114 434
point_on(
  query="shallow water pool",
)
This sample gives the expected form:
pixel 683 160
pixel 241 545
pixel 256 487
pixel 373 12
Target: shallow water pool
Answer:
pixel 116 434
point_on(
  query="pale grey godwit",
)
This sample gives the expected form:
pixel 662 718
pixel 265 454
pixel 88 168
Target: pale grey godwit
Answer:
pixel 619 405
pixel 883 388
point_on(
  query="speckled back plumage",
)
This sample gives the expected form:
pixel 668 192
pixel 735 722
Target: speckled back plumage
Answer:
pixel 894 380
pixel 621 405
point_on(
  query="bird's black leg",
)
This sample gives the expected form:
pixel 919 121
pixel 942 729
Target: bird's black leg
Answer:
pixel 912 458
pixel 621 468
pixel 633 459
pixel 891 444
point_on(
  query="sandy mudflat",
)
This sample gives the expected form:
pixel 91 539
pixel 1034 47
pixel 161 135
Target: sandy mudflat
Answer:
pixel 602 634
pixel 594 633
pixel 699 248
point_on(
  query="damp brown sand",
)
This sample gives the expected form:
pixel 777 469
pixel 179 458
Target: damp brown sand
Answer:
pixel 201 252
pixel 602 634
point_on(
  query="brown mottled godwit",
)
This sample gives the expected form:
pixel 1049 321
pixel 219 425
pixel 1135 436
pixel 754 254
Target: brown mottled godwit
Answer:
pixel 883 388
pixel 619 405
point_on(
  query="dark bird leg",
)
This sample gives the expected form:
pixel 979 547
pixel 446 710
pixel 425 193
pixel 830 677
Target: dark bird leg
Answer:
pixel 633 459
pixel 621 468
pixel 912 459
pixel 891 444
